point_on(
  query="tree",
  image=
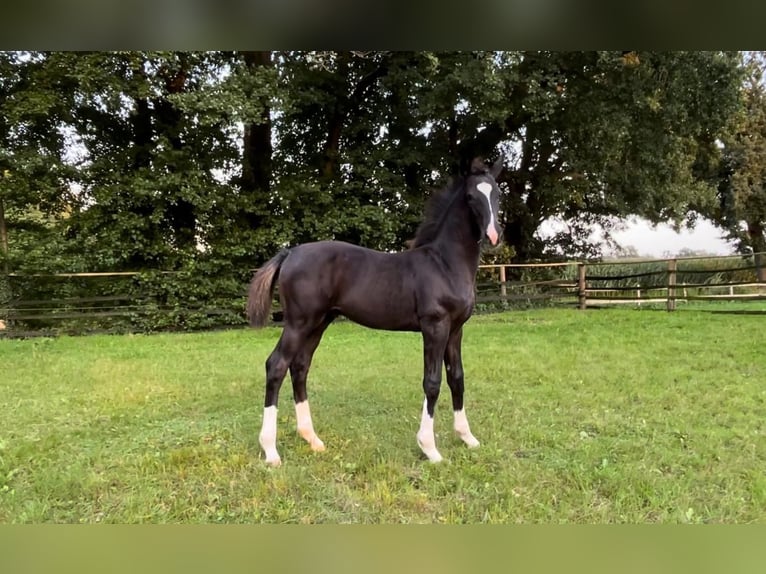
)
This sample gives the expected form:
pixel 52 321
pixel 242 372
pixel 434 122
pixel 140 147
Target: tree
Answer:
pixel 590 137
pixel 351 163
pixel 226 156
pixel 595 136
pixel 231 115
pixel 741 210
pixel 147 174
pixel 34 176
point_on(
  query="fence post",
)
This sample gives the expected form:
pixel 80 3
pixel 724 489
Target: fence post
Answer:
pixel 760 267
pixel 672 285
pixel 6 297
pixel 581 286
pixel 503 289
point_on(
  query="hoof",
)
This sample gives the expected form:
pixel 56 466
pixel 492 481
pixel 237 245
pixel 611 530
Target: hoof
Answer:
pixel 430 452
pixel 274 461
pixel 317 445
pixel 272 456
pixel 434 457
pixel 470 441
pixel 314 441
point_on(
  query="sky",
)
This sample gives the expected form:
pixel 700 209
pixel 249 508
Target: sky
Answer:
pixel 656 241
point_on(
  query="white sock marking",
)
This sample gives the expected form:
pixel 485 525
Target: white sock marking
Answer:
pixel 268 436
pixel 306 427
pixel 463 430
pixel 425 436
pixel 486 189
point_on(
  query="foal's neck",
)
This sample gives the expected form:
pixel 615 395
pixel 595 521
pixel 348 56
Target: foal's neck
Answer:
pixel 457 241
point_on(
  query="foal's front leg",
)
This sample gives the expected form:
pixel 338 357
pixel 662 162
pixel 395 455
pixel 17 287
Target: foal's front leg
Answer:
pixel 434 342
pixel 454 365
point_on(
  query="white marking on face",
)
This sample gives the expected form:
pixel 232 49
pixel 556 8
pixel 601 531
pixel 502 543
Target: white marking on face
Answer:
pixel 463 430
pixel 306 427
pixel 486 189
pixel 268 436
pixel 425 436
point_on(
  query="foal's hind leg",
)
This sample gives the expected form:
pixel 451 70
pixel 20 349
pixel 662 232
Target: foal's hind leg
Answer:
pixel 298 372
pixel 276 369
pixel 454 366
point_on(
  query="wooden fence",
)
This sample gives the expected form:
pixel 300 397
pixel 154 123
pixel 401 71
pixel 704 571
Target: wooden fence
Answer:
pixel 624 282
pixel 115 302
pixel 125 301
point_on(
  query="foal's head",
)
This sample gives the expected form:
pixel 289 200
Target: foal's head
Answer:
pixel 484 197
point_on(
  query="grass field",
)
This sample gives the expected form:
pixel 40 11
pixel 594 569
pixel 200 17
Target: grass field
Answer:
pixel 589 417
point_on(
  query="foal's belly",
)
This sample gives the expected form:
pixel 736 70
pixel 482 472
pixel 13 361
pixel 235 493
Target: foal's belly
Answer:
pixel 379 311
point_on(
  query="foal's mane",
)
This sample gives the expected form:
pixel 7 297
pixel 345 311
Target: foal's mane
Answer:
pixel 436 209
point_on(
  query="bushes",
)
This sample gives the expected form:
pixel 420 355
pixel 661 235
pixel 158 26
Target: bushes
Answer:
pixel 187 300
pixel 200 297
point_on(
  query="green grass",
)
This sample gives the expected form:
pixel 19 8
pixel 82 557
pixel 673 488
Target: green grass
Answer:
pixel 601 416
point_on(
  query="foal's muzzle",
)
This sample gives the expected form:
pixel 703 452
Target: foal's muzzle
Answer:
pixel 494 233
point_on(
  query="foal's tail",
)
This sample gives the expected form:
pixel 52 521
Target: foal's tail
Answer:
pixel 261 288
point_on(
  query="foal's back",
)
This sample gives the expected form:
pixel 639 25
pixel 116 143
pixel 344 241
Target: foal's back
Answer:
pixel 376 289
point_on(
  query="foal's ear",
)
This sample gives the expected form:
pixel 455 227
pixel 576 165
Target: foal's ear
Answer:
pixel 478 166
pixel 497 167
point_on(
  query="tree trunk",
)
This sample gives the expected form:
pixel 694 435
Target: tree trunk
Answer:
pixel 142 134
pixel 331 152
pixel 330 160
pixel 257 148
pixel 519 223
pixel 519 233
pixel 757 234
pixel 3 236
pixel 346 101
pixel 180 212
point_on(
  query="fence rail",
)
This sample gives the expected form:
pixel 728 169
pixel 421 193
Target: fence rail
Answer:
pixel 43 304
pixel 639 282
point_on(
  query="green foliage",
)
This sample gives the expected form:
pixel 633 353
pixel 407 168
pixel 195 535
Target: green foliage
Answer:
pixel 5 298
pixel 609 138
pixel 205 295
pixel 741 210
pixel 180 301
